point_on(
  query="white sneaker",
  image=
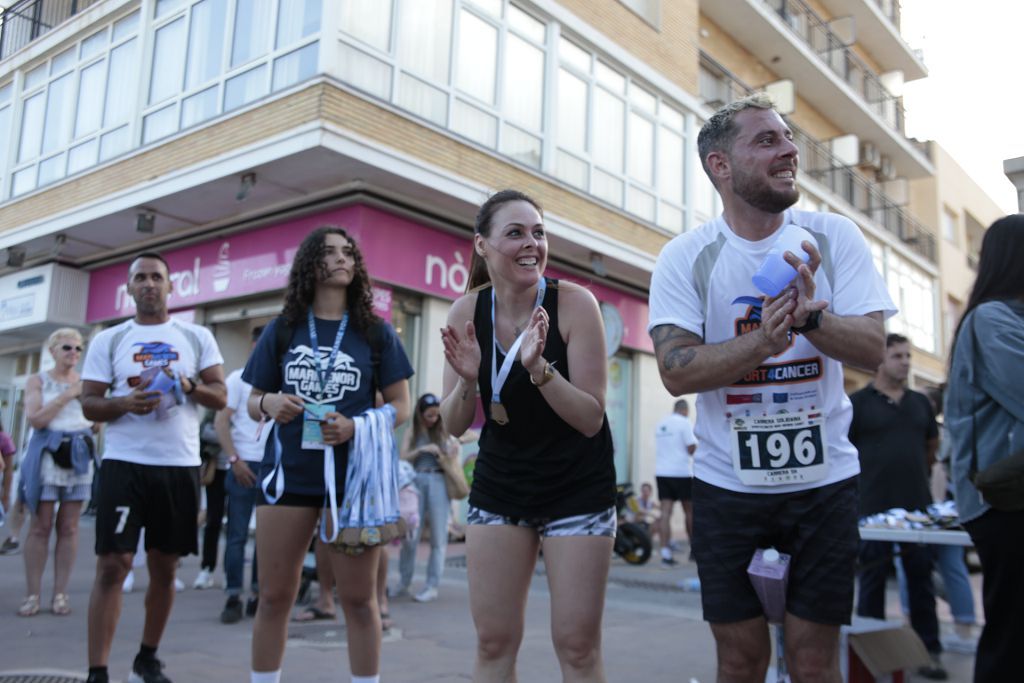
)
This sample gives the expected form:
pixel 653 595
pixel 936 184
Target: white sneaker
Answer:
pixel 955 642
pixel 428 594
pixel 129 582
pixel 179 585
pixel 204 580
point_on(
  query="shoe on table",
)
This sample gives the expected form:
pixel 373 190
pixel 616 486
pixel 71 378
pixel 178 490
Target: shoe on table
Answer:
pixel 204 580
pixel 251 605
pixel 934 671
pixel 147 670
pixel 232 611
pixel 428 594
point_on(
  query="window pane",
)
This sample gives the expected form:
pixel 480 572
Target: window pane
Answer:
pixel 492 7
pixel 90 103
pixel 93 44
pixel 83 156
pixel 126 26
pixel 642 98
pixel 205 42
pixel 571 170
pixel 369 21
pixel 478 57
pixel 5 126
pixel 199 107
pixel 245 88
pixel 23 181
pixel 641 150
pixel 124 83
pixel 168 61
pixel 365 72
pixel 296 20
pixel 475 124
pixel 35 77
pixel 295 66
pixel 59 113
pixel 159 124
pixel 50 170
pixel 606 187
pixel 610 119
pixel 166 6
pixel 32 127
pixel 522 100
pixel 253 22
pixel 424 37
pixel 5 93
pixel 671 117
pixel 521 146
pixel 572 112
pixel 575 55
pixel 533 29
pixel 670 217
pixel 610 78
pixel 640 203
pixel 115 142
pixel 422 99
pixel 62 62
pixel 670 166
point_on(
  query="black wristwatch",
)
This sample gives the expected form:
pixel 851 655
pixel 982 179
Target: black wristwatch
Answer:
pixel 194 382
pixel 813 322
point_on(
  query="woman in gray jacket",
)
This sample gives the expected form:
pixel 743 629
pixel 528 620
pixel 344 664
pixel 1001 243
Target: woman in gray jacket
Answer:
pixel 985 414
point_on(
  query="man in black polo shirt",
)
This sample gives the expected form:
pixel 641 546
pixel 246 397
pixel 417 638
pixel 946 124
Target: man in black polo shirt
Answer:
pixel 895 432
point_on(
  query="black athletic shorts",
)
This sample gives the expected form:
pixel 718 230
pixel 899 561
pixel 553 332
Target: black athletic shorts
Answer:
pixel 816 527
pixel 163 500
pixel 675 488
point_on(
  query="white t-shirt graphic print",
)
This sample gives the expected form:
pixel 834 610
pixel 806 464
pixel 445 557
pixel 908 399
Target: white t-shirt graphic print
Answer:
pixel 118 356
pixel 702 283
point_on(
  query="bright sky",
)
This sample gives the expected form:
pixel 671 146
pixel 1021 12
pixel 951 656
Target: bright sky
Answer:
pixel 972 102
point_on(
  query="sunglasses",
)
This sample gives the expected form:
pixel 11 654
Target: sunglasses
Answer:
pixel 69 347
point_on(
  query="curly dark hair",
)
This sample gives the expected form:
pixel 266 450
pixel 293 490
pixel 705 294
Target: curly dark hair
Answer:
pixel 308 270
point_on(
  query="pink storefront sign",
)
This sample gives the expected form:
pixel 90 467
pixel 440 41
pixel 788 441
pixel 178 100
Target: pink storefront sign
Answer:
pixel 397 251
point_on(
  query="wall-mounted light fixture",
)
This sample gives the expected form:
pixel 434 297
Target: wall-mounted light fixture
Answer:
pixel 15 257
pixel 597 264
pixel 145 222
pixel 245 186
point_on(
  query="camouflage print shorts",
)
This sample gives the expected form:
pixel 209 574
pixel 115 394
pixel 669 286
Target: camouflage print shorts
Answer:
pixel 594 524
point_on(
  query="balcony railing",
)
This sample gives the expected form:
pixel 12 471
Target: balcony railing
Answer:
pixel 24 21
pixel 719 87
pixel 840 59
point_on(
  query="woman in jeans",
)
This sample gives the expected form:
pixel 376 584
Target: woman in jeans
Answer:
pixel 985 418
pixel 425 444
pixel 57 468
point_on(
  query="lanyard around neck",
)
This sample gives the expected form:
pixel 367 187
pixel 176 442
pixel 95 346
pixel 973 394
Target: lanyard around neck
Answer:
pixel 322 372
pixel 498 377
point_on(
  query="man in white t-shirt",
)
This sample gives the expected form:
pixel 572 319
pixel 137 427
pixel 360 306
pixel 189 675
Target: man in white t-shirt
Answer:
pixel 774 466
pixel 243 442
pixel 674 445
pixel 144 378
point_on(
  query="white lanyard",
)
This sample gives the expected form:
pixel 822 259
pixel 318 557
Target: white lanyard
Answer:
pixel 498 377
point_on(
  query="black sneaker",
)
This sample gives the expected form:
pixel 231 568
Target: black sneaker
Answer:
pixel 98 678
pixel 250 605
pixel 147 670
pixel 669 562
pixel 232 611
pixel 934 671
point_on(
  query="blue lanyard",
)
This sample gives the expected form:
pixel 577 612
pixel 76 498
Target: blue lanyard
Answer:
pixel 323 374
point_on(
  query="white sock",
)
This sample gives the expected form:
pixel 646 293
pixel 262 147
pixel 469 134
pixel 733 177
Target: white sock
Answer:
pixel 265 677
pixel 365 679
pixel 666 553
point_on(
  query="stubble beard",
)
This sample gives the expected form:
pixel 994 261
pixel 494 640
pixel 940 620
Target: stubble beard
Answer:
pixel 762 197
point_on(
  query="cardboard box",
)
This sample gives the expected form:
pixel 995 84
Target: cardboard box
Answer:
pixel 873 651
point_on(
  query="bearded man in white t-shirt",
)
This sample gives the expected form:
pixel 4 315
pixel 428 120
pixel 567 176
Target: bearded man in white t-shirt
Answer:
pixel 145 378
pixel 774 467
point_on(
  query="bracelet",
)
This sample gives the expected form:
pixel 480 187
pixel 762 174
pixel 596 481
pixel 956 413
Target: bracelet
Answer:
pixel 262 411
pixel 192 381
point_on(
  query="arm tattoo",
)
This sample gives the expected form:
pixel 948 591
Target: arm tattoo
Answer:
pixel 676 343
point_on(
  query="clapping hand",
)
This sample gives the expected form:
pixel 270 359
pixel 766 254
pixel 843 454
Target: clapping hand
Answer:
pixel 462 351
pixel 532 350
pixel 804 283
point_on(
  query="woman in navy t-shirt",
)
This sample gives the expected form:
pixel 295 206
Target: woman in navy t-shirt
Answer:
pixel 312 386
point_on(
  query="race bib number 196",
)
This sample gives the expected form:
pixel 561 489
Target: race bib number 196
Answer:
pixel 774 450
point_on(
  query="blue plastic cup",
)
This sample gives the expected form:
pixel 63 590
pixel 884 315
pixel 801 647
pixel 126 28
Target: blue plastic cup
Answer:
pixel 775 274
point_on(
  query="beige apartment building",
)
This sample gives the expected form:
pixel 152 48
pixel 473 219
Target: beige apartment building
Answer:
pixel 220 131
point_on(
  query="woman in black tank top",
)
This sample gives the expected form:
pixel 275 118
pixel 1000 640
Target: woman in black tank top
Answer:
pixel 544 475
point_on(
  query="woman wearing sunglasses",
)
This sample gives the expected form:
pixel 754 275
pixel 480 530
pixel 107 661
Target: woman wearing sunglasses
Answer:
pixel 57 468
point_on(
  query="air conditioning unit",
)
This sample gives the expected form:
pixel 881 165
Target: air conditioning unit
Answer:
pixel 870 156
pixel 885 168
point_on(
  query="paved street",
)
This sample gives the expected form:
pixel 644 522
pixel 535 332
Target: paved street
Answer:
pixel 652 631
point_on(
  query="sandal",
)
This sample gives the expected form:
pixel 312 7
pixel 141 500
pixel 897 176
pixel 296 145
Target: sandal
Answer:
pixel 30 607
pixel 385 622
pixel 60 605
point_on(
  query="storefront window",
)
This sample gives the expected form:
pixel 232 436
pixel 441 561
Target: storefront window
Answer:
pixel 618 403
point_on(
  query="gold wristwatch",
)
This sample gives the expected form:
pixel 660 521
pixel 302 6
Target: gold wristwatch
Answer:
pixel 549 374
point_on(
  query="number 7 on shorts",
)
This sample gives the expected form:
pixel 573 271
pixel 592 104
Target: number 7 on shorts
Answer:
pixel 123 510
